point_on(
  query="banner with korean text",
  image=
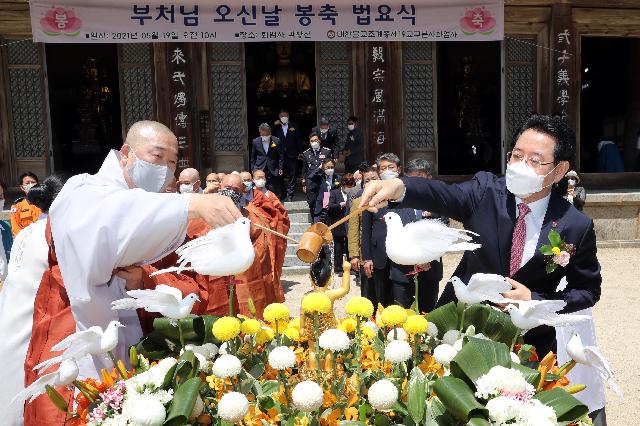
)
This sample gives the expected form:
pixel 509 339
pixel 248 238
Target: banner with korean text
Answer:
pixel 131 21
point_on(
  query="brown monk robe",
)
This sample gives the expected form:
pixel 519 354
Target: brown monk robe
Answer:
pixel 52 305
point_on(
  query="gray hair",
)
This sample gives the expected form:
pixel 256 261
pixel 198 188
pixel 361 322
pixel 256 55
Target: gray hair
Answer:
pixel 264 126
pixel 390 157
pixel 419 165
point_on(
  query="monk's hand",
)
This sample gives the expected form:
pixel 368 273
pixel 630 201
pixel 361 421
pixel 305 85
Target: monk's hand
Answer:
pixel 355 263
pixel 132 275
pixel 519 292
pixel 216 210
pixel 378 193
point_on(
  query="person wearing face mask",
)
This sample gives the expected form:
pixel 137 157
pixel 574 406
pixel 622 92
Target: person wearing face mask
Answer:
pixel 104 227
pixel 574 194
pixel 24 214
pixel 513 216
pixel 287 132
pixel 328 136
pixel 267 154
pixel 339 205
pixel 189 182
pixel 212 183
pixel 247 181
pixel 354 146
pixel 312 173
pixel 329 182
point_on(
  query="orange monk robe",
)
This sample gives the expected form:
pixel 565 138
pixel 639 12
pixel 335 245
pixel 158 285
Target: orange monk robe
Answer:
pixel 279 221
pixel 256 283
pixel 52 306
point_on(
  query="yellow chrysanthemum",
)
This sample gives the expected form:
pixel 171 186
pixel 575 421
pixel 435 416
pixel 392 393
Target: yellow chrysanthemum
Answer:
pixel 393 315
pixel 556 251
pixel 316 302
pixel 226 328
pixel 264 335
pixel 348 325
pixel 276 311
pixel 360 306
pixel 292 333
pixel 416 324
pixel 368 332
pixel 295 323
pixel 250 326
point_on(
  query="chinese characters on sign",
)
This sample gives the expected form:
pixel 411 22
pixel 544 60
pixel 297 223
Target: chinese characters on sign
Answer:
pixel 180 96
pixel 563 75
pixel 379 96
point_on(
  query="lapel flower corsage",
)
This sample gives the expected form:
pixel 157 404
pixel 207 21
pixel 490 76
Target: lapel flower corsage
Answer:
pixel 292 129
pixel 273 144
pixel 557 252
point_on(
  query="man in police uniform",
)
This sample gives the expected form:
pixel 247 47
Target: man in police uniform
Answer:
pixel 24 214
pixel 312 173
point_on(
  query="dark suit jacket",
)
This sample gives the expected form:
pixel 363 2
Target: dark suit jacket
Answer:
pixel 312 168
pixel 292 143
pixel 330 140
pixel 321 214
pixel 484 205
pixel 355 144
pixel 272 161
pixel 335 212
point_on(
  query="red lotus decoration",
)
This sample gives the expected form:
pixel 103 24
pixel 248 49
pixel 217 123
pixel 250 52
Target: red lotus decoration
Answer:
pixel 61 21
pixel 478 20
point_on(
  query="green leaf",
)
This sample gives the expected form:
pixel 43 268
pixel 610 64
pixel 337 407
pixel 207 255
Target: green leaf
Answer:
pixel 416 394
pixel 547 250
pixel 168 378
pixel 554 238
pixel 458 398
pixel 567 407
pixel 477 357
pixel 478 421
pixel 496 325
pixel 270 387
pixel 445 318
pixel 187 366
pixel 154 346
pixel 551 267
pixel 352 423
pixel 56 398
pixel 183 401
pixel 530 375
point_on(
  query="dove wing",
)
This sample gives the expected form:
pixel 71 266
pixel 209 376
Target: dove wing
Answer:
pixel 431 229
pixel 36 388
pixel 489 286
pixel 153 300
pixel 80 337
pixel 564 320
pixel 543 309
pixel 596 359
pixel 163 288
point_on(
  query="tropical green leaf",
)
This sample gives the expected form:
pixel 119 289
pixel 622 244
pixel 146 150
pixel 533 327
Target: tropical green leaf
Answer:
pixel 416 394
pixel 445 318
pixel 168 378
pixel 182 403
pixel 458 398
pixel 530 375
pixel 187 366
pixel 494 324
pixel 566 406
pixel 554 238
pixel 477 357
pixel 203 326
pixel 166 328
pixel 154 346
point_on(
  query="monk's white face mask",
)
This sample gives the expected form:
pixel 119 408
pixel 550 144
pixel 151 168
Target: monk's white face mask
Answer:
pixel 148 176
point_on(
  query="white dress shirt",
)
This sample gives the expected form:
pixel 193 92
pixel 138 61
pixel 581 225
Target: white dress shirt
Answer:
pixel 285 129
pixel 533 221
pixel 265 145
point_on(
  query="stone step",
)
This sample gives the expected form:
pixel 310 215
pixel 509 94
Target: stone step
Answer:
pixel 300 217
pixel 298 228
pixel 290 271
pixel 292 260
pixel 296 206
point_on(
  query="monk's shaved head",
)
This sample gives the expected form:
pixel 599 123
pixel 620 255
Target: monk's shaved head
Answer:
pixel 233 181
pixel 245 176
pixel 189 175
pixel 143 132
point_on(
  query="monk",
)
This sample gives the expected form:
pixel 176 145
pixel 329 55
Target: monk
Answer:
pixel 189 182
pixel 213 183
pixel 100 226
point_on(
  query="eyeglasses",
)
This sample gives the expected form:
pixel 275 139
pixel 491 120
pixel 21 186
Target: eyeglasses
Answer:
pixel 534 162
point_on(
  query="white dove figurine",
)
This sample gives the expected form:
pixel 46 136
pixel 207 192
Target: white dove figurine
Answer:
pixel 533 313
pixel 222 252
pixel 592 357
pixel 420 242
pixel 65 375
pixel 165 300
pixel 481 287
pixel 93 341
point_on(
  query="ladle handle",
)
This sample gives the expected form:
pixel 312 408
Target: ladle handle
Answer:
pixel 264 228
pixel 349 216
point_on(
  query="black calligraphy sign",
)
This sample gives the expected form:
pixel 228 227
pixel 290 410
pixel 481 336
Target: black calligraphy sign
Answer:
pixel 181 101
pixel 378 82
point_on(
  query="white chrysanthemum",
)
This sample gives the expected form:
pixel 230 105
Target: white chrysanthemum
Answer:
pixel 233 406
pixel 450 337
pixel 444 353
pixel 502 409
pixel 144 410
pixel 198 408
pixel 282 358
pixel 307 396
pixel 372 325
pixel 150 379
pixel 204 354
pixel 116 420
pixel 514 358
pixel 402 335
pixel 535 413
pixel 397 351
pixel 458 345
pixel 226 366
pixel 501 380
pixel 334 340
pixel 383 395
pixel 432 330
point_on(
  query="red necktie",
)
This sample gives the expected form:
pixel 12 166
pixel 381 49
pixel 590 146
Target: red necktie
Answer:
pixel 519 238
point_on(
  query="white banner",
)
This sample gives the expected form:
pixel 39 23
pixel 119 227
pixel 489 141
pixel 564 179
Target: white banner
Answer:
pixel 131 21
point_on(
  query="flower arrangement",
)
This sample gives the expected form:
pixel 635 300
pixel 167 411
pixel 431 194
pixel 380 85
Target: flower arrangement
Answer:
pixel 557 252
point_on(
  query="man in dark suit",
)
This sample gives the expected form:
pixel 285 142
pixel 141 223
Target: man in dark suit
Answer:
pixel 329 182
pixel 354 146
pixel 288 134
pixel 312 172
pixel 514 215
pixel 267 155
pixel 339 204
pixel 328 136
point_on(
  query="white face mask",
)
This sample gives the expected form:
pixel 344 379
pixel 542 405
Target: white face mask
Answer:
pixel 185 188
pixel 523 181
pixel 315 145
pixel 572 182
pixel 260 183
pixel 359 183
pixel 389 174
pixel 148 176
pixel 266 138
pixel 284 120
pixel 323 131
pixel 329 172
pixel 351 127
pixel 28 187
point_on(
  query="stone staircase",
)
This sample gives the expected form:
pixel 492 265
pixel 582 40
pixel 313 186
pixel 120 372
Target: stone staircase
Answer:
pixel 300 221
